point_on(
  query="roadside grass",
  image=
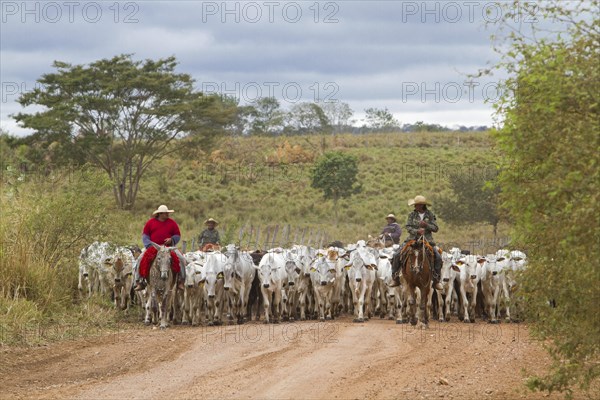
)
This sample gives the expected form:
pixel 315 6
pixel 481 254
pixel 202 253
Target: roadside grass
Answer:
pixel 46 221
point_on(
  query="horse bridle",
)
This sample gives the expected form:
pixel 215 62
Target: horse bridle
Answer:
pixel 424 249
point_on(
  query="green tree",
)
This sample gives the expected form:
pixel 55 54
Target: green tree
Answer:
pixel 335 173
pixel 473 201
pixel 267 116
pixel 380 119
pixel 121 115
pixel 338 114
pixel 549 139
pixel 244 120
pixel 307 118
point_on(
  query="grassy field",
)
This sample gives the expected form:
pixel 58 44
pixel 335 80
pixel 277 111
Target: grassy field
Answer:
pixel 264 181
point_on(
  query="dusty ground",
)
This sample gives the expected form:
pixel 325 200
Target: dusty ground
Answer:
pixel 308 360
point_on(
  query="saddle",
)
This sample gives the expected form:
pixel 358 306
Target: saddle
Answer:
pixel 412 244
pixel 148 258
pixel 211 247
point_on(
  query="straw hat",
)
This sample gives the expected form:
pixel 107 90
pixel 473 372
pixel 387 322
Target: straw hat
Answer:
pixel 162 209
pixel 210 220
pixel 391 216
pixel 418 200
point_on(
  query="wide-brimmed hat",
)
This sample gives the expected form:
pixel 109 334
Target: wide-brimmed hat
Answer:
pixel 211 220
pixel 418 200
pixel 162 209
pixel 392 216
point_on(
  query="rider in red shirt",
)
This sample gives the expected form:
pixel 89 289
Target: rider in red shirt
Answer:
pixel 162 230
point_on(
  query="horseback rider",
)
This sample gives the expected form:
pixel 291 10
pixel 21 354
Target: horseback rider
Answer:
pixel 209 236
pixel 392 229
pixel 421 222
pixel 162 230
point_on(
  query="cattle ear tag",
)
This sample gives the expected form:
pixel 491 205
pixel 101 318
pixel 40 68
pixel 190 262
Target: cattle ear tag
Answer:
pixel 347 267
pixel 312 269
pixel 459 263
pixel 220 275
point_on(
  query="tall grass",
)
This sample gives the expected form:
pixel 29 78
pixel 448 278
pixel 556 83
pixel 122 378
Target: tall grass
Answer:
pixel 46 220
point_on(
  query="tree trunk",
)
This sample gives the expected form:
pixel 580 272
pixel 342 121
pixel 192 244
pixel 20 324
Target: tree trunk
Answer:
pixel 335 210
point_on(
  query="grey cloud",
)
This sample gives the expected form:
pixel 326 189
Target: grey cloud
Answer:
pixel 370 53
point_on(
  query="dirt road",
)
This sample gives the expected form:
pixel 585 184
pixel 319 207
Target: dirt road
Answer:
pixel 308 360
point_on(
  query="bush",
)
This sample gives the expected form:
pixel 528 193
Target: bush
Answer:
pixel 550 188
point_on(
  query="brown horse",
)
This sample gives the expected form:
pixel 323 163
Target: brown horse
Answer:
pixel 415 263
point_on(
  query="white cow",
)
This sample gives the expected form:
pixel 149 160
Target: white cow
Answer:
pixel 506 280
pixel 92 271
pixel 271 271
pixel 396 296
pixel 84 278
pixel 238 273
pixel 213 286
pixel 323 275
pixel 192 256
pixel 469 278
pixel 335 256
pixel 509 263
pixel 361 275
pixel 388 296
pixel 193 294
pixel 306 256
pixel 449 274
pixel 518 260
pixel 490 286
pixel 119 263
pixel 337 297
pixel 290 294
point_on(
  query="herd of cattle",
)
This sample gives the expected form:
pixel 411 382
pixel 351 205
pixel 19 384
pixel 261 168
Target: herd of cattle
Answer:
pixel 301 283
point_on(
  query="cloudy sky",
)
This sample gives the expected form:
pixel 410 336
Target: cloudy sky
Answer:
pixel 409 56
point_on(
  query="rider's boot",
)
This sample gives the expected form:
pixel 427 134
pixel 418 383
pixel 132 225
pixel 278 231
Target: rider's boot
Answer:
pixel 437 269
pixel 141 285
pixel 395 277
